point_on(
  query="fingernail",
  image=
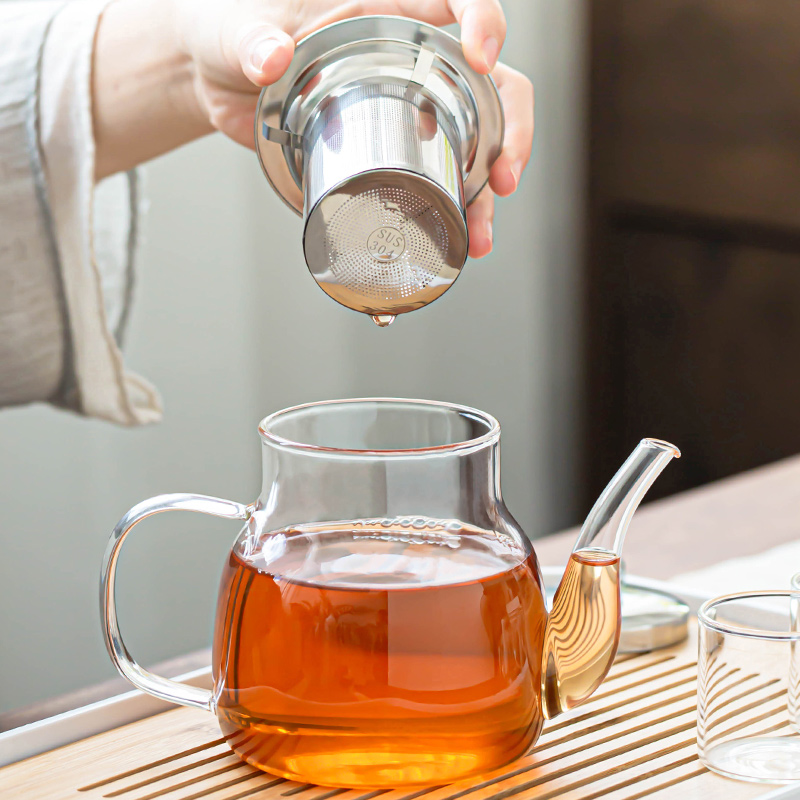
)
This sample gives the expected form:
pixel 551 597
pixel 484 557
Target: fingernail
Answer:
pixel 262 53
pixel 489 231
pixel 516 171
pixel 491 49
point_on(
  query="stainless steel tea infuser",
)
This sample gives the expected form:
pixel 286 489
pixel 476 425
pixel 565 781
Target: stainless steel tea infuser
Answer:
pixel 380 134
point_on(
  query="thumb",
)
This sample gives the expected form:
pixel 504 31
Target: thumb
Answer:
pixel 264 53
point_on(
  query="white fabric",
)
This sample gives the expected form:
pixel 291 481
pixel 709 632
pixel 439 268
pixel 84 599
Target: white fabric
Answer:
pixel 32 330
pixel 772 569
pixel 91 228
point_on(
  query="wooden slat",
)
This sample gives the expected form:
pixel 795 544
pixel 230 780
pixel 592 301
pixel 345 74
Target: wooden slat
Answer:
pixel 634 739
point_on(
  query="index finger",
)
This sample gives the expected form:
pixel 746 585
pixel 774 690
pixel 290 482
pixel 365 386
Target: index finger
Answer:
pixel 483 31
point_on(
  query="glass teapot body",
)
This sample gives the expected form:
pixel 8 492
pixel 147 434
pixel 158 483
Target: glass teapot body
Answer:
pixel 381 618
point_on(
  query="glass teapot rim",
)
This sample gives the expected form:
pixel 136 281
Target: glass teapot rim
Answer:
pixel 490 436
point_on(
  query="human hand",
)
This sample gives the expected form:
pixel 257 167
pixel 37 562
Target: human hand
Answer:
pixel 238 47
pixel 168 71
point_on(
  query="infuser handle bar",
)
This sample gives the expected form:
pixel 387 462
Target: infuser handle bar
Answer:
pixel 163 688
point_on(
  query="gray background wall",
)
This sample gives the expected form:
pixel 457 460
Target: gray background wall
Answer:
pixel 229 325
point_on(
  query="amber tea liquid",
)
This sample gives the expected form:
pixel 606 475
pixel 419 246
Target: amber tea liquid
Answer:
pixel 582 631
pixel 367 654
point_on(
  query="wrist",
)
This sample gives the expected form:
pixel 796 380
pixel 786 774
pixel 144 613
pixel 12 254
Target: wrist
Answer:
pixel 179 65
pixel 144 98
pixel 180 60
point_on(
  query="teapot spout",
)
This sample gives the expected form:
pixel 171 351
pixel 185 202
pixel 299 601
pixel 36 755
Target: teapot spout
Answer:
pixel 608 521
pixel 582 631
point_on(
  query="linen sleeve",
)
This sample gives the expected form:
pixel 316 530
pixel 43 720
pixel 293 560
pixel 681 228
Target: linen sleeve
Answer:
pixel 66 245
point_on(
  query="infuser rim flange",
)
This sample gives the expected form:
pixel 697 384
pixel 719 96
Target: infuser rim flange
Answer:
pixel 319 44
pixel 490 437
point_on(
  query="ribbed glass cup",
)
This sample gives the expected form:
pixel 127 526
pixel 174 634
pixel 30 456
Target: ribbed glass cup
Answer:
pixel 747 693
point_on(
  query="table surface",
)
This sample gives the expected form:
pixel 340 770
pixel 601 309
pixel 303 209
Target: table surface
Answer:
pixel 739 516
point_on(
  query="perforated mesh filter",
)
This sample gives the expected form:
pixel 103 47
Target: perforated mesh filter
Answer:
pixel 386 242
pixel 425 243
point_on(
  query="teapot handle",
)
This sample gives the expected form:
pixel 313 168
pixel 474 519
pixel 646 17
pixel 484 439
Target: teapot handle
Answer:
pixel 163 688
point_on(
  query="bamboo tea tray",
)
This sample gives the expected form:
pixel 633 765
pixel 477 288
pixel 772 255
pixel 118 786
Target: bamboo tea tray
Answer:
pixel 634 739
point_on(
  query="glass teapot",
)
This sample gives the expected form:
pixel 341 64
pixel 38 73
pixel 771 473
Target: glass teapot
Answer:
pixel 381 619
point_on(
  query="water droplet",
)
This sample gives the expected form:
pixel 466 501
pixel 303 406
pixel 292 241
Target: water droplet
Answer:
pixel 419 522
pixel 383 320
